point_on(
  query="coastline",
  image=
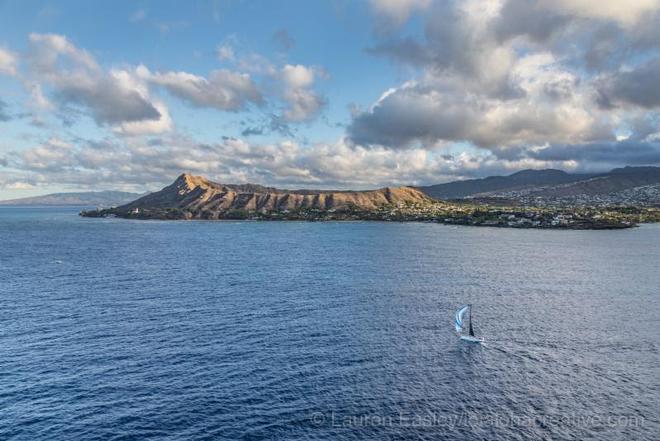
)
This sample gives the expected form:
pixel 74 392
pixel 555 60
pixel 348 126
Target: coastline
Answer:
pixel 497 218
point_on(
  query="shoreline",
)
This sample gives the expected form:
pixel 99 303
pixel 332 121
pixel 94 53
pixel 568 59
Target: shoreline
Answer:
pixel 503 220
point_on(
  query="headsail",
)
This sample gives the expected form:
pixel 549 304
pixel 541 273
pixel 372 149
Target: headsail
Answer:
pixel 459 317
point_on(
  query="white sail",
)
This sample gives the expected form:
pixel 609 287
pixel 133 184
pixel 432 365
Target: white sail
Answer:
pixel 459 317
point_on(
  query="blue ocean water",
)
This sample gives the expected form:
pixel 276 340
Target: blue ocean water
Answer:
pixel 119 329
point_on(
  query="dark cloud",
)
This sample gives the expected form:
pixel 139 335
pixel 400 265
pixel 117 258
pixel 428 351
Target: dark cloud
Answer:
pixel 617 153
pixel 527 18
pixel 454 44
pixel 108 102
pixel 412 113
pixel 639 87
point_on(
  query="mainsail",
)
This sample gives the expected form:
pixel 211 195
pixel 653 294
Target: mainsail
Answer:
pixel 459 318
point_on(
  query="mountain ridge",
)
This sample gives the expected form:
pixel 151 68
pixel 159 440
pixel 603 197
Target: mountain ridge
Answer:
pixel 106 198
pixel 541 186
pixel 519 179
pixel 196 197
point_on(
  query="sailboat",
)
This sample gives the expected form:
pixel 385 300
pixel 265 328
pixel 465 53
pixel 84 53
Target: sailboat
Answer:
pixel 460 323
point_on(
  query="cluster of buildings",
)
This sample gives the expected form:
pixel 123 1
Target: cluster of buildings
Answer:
pixel 511 217
pixel 642 196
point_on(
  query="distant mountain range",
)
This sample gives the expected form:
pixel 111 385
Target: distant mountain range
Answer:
pixel 521 179
pixel 628 185
pixel 621 186
pixel 88 198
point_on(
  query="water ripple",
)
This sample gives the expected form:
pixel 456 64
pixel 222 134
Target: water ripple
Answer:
pixel 240 330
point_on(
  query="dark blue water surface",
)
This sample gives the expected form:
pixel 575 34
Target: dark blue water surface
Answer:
pixel 118 329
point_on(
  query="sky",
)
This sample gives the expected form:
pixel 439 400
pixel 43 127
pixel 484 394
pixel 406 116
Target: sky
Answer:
pixel 127 95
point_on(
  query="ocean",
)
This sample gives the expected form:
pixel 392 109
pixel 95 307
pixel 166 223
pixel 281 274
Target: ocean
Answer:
pixel 120 329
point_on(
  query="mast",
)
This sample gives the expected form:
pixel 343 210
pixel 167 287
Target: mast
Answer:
pixel 471 330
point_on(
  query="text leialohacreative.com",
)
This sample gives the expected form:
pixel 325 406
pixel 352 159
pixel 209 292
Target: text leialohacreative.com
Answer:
pixel 437 419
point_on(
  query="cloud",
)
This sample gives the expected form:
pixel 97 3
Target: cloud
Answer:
pixel 598 34
pixel 136 163
pixel 625 13
pixel 222 90
pixel 4 116
pixel 639 86
pixel 149 126
pixel 603 154
pixel 225 53
pixel 396 12
pixel 531 19
pixel 53 155
pixel 8 62
pixel 283 39
pixel 297 76
pixel 68 80
pixel 18 185
pixel 515 76
pixel 38 99
pixel 303 104
pixel 113 97
pixel 256 64
pixel 551 107
pixel 269 124
pixel 138 16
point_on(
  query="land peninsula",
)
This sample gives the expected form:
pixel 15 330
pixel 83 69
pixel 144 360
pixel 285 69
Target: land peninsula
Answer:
pixel 194 197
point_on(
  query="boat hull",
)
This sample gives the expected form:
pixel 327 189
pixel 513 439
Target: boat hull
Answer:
pixel 472 339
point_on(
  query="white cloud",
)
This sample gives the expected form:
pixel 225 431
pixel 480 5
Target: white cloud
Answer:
pixel 134 163
pixel 18 185
pixel 51 155
pixel 256 64
pixel 627 13
pixel 285 164
pixel 297 76
pixel 114 97
pixel 512 74
pixel 8 62
pixel 222 90
pixel 551 106
pixel 398 11
pixel 303 104
pixel 225 53
pixel 38 98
